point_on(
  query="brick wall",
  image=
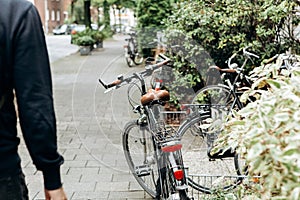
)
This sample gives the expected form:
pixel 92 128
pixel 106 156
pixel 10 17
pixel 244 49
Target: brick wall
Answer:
pixel 52 14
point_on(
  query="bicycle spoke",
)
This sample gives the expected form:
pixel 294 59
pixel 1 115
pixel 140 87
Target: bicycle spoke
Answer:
pixel 205 174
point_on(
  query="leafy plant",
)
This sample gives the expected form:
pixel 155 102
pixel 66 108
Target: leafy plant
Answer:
pixel 267 133
pixel 98 36
pixel 220 28
pixel 150 15
pixel 85 40
pixel 88 37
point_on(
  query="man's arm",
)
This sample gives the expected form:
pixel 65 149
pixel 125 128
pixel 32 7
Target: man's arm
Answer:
pixel 33 86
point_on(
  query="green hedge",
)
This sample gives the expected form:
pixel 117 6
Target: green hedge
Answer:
pixel 220 28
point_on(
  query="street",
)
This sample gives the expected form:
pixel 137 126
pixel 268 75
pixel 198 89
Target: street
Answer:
pixel 59 46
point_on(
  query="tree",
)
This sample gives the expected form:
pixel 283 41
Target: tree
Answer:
pixel 150 15
pixel 222 27
pixel 97 4
pixel 208 32
pixel 87 13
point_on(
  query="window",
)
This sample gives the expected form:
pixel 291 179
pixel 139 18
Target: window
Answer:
pixel 58 15
pixel 47 15
pixel 52 15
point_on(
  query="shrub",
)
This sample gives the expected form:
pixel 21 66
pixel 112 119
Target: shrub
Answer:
pixel 267 133
pixel 222 27
pixel 209 32
pixel 85 40
pixel 150 15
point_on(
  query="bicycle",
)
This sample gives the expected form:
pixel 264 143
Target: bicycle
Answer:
pixel 132 55
pixel 152 149
pixel 227 93
pixel 210 172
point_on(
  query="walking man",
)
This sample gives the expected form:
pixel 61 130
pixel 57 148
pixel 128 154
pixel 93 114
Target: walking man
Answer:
pixel 25 74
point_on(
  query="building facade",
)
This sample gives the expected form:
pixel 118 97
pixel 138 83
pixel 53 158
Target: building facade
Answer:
pixel 52 12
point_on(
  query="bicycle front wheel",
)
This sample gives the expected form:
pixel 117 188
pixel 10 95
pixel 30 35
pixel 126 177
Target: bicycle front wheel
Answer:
pixel 139 152
pixel 138 59
pixel 128 56
pixel 205 174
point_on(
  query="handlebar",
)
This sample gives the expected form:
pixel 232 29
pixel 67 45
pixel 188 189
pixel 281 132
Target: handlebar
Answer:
pixel 147 72
pixel 246 53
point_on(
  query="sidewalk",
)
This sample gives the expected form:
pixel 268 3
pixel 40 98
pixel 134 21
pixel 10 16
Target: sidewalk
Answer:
pixel 89 125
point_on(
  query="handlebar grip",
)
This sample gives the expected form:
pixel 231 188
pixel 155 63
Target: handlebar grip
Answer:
pixel 266 61
pixel 114 83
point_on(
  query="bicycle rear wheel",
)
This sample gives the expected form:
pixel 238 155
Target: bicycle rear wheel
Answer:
pixel 216 95
pixel 139 152
pixel 205 174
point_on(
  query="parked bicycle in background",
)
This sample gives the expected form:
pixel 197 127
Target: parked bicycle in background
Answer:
pixel 132 55
pixel 209 171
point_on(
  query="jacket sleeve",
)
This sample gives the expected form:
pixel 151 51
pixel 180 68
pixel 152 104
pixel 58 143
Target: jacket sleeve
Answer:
pixel 33 86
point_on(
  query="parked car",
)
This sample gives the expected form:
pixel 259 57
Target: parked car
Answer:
pixel 64 29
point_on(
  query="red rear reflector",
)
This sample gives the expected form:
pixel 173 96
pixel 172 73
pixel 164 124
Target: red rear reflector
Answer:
pixel 178 174
pixel 172 148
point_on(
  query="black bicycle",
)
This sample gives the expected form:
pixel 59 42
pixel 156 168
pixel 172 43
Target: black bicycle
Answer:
pixel 152 148
pixel 131 53
pixel 210 171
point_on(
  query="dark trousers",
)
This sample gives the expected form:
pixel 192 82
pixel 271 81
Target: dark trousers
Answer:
pixel 13 188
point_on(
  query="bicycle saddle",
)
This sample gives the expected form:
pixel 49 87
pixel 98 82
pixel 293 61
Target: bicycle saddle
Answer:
pixel 153 95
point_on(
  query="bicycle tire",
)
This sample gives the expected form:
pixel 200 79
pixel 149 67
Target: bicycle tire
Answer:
pixel 138 59
pixel 204 174
pixel 139 151
pixel 169 190
pixel 128 57
pixel 183 195
pixel 216 95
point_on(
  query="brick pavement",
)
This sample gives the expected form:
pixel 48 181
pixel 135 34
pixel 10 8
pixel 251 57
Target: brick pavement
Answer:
pixel 89 123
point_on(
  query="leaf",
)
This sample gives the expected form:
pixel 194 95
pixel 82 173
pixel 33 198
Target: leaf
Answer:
pixel 255 151
pixel 295 193
pixel 290 152
pixel 281 117
pixel 274 83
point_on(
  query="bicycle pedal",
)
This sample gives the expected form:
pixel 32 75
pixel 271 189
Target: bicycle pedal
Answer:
pixel 142 170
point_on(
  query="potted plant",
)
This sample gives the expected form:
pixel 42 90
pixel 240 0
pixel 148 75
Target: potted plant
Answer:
pixel 98 36
pixel 85 42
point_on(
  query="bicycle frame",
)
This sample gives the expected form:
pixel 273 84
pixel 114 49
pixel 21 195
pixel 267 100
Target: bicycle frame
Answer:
pixel 168 154
pixel 167 148
pixel 233 86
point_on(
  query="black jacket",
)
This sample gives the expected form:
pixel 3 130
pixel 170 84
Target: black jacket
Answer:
pixel 25 70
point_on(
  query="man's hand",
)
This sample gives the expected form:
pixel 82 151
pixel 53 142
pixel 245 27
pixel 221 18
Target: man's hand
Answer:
pixel 58 194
